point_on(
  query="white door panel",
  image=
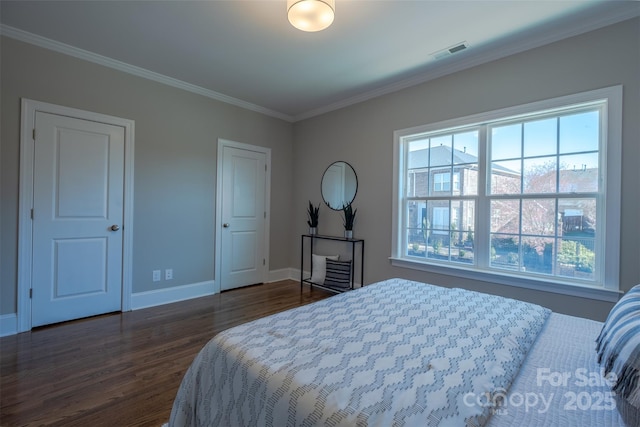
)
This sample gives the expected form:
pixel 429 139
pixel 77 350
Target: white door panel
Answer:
pixel 83 159
pixel 78 197
pixel 70 281
pixel 243 217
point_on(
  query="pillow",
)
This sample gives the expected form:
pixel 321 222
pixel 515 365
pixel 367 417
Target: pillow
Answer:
pixel 318 263
pixel 618 348
pixel 338 274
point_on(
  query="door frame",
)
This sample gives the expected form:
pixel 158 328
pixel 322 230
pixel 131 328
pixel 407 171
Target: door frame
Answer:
pixel 29 108
pixel 222 143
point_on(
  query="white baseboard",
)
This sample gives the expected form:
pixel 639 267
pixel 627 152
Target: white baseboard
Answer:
pixel 140 300
pixel 168 295
pixel 282 274
pixel 8 324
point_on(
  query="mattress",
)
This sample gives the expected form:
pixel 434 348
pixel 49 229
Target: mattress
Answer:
pixel 560 382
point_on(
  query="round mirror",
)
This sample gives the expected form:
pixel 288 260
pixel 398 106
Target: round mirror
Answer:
pixel 339 185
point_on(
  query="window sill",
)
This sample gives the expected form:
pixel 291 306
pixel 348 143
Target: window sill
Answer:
pixel 572 289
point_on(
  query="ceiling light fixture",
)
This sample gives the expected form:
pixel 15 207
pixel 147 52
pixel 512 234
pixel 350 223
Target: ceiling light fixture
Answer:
pixel 311 15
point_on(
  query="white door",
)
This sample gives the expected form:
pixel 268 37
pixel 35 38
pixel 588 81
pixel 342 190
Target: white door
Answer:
pixel 243 222
pixel 78 199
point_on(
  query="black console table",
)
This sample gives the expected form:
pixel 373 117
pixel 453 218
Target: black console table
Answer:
pixel 352 242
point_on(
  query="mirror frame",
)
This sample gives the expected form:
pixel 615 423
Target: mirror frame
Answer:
pixel 322 181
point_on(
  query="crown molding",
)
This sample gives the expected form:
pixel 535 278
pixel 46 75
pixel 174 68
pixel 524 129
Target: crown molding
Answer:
pixel 470 58
pixel 86 55
pixel 467 59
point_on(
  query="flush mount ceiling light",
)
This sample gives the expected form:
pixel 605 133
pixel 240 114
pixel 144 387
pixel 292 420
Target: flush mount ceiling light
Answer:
pixel 310 15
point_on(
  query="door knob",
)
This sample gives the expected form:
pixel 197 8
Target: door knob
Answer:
pixel 225 225
pixel 114 227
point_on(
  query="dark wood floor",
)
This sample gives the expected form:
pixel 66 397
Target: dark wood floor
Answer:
pixel 123 369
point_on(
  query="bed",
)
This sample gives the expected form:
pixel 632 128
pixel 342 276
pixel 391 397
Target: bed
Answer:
pixel 405 353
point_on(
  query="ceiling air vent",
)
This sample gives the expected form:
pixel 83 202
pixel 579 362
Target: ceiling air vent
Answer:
pixel 450 50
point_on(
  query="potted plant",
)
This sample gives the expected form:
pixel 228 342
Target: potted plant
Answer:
pixel 349 218
pixel 313 214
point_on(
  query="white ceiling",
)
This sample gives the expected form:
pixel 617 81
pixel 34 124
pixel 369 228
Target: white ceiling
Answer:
pixel 246 52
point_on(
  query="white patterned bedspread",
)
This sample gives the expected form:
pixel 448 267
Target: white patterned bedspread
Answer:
pixel 396 353
pixel 566 346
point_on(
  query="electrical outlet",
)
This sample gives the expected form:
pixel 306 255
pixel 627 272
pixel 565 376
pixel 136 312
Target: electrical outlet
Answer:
pixel 157 275
pixel 168 274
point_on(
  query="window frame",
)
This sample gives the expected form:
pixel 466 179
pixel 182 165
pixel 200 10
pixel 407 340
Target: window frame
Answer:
pixel 610 162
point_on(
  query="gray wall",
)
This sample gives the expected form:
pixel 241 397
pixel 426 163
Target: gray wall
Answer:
pixel 175 157
pixel 176 135
pixel 363 136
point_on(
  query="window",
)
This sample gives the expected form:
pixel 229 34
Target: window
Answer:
pixel 529 193
pixel 442 182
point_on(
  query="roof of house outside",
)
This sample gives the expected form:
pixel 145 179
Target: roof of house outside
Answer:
pixel 582 180
pixel 443 155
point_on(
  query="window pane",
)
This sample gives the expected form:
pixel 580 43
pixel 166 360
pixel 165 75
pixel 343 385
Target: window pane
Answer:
pixel 416 211
pixel 505 216
pixel 462 254
pixel 505 251
pixel 578 217
pixel 438 216
pixel 506 142
pixel 416 228
pixel 462 231
pixel 579 173
pixel 576 258
pixel 417 172
pixel 537 255
pixel 410 180
pixel 540 137
pixel 439 248
pixel 468 220
pixel 416 244
pixel 440 153
pixel 540 175
pixel 580 132
pixel 467 177
pixel 465 147
pixel 456 236
pixel 505 177
pixel 418 183
pixel 576 255
pixel 539 217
